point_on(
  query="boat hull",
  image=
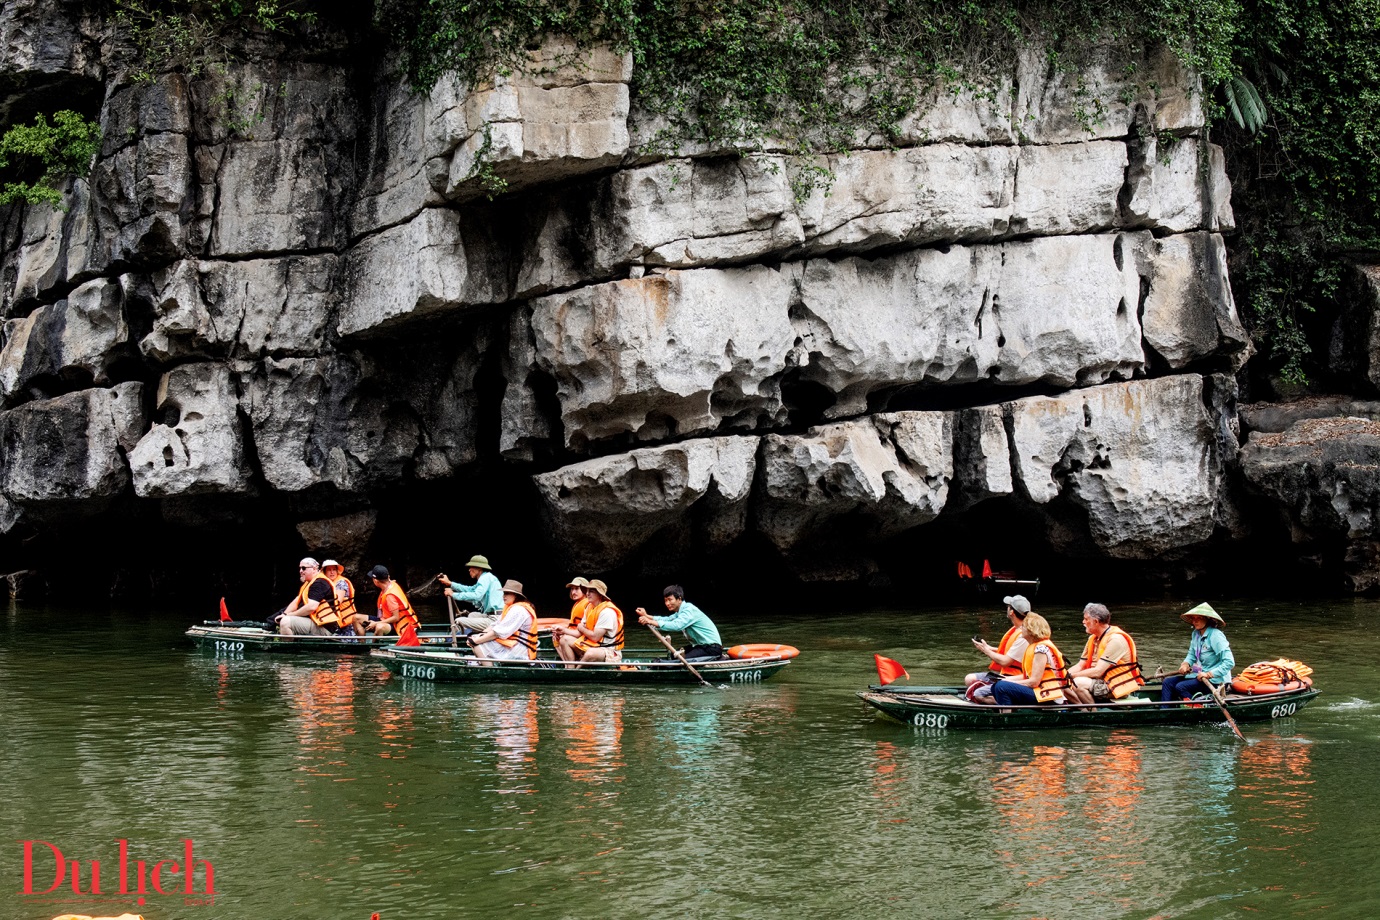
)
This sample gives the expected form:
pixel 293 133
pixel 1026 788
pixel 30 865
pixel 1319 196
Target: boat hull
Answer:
pixel 445 666
pixel 238 641
pixel 945 708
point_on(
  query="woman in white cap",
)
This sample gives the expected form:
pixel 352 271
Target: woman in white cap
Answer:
pixel 1209 659
pixel 514 636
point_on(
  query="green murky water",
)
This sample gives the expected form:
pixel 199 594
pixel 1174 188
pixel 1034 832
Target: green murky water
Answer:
pixel 322 788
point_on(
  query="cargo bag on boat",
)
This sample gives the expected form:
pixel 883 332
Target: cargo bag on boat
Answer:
pixel 1278 676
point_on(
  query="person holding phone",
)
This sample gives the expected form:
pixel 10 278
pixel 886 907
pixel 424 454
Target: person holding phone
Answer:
pixel 1006 657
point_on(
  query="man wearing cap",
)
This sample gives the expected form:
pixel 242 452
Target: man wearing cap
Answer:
pixel 486 595
pixel 395 613
pixel 1209 659
pixel 599 635
pixel 514 636
pixel 314 606
pixel 685 617
pixel 1006 657
pixel 577 587
pixel 1108 669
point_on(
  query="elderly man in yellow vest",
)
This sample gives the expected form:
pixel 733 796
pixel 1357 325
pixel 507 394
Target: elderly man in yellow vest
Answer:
pixel 514 636
pixel 313 609
pixel 1108 669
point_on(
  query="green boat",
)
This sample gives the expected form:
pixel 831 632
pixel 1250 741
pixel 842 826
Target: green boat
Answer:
pixel 420 664
pixel 946 707
pixel 238 641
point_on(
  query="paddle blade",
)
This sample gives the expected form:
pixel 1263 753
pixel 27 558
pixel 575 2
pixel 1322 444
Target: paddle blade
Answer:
pixel 888 670
pixel 224 614
pixel 408 636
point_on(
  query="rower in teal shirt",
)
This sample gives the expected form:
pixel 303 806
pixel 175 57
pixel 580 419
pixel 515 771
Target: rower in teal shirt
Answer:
pixel 1209 660
pixel 685 617
pixel 486 594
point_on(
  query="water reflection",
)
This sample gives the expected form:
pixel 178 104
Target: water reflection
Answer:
pixel 323 701
pixel 1276 780
pixel 593 729
pixel 509 723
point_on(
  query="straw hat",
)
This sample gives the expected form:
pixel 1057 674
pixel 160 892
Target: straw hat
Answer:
pixel 1203 610
pixel 513 587
pixel 598 586
pixel 479 562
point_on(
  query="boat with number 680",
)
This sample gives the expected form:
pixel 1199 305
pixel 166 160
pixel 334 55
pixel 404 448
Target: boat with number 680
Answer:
pixel 946 707
pixel 449 666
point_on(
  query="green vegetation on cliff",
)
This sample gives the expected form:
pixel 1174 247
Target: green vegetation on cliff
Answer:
pixel 36 158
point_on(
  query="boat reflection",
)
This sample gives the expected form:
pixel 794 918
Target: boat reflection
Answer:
pixel 322 701
pixel 509 723
pixel 1276 780
pixel 593 730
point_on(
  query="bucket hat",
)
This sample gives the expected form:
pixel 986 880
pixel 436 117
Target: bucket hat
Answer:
pixel 597 585
pixel 577 582
pixel 513 587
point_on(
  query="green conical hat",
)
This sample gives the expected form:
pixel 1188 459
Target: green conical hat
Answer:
pixel 1203 610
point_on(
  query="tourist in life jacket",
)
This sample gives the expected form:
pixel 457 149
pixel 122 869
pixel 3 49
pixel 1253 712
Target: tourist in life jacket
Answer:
pixel 685 617
pixel 1209 658
pixel 312 611
pixel 485 595
pixel 1108 669
pixel 514 636
pixel 1044 676
pixel 1006 657
pixel 395 613
pixel 346 614
pixel 599 635
pixel 577 587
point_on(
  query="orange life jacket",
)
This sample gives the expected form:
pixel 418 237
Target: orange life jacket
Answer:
pixel 592 620
pixel 1007 670
pixel 1056 676
pixel 1123 677
pixel 344 605
pixel 408 617
pixel 326 612
pixel 526 633
pixel 578 612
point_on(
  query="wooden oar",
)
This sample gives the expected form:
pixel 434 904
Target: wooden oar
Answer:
pixel 675 651
pixel 1216 698
pixel 1222 705
pixel 450 608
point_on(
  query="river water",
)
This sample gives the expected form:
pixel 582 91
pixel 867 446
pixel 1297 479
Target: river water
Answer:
pixel 323 788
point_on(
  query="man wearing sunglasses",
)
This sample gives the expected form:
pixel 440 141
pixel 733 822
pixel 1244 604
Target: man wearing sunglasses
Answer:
pixel 313 609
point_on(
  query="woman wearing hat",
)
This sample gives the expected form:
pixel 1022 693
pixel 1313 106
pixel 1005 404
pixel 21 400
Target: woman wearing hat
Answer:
pixel 514 636
pixel 486 595
pixel 1209 658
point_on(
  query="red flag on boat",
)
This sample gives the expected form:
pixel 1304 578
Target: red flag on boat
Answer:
pixel 986 568
pixel 224 614
pixel 408 636
pixel 888 670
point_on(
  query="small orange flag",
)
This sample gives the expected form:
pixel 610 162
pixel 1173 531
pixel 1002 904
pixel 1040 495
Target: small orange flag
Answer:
pixel 224 614
pixel 888 670
pixel 408 636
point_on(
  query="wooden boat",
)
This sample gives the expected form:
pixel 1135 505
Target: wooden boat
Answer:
pixel 249 636
pixel 946 707
pixel 640 668
pixel 235 641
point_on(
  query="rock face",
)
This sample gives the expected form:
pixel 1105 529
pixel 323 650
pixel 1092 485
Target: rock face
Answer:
pixel 296 292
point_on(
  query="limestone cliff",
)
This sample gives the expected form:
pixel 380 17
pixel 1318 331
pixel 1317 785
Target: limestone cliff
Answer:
pixel 305 316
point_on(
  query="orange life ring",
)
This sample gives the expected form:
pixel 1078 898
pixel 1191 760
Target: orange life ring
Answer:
pixel 1259 687
pixel 763 650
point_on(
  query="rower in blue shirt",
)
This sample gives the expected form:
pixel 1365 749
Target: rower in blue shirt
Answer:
pixel 685 617
pixel 485 595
